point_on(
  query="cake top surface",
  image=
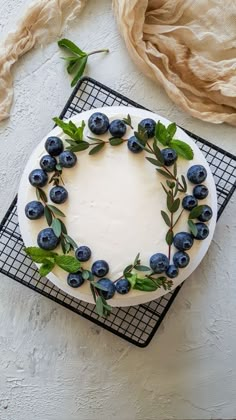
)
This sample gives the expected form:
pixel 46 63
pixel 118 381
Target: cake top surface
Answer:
pixel 114 206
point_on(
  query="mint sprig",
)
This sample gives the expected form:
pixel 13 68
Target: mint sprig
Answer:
pixel 50 259
pixel 76 63
pixel 165 135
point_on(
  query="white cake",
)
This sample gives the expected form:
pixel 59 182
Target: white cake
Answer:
pixel 114 207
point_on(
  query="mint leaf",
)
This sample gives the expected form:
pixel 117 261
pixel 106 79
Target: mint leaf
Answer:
pixel 38 255
pixel 99 306
pixel 132 279
pixel 161 134
pixel 68 263
pixel 79 132
pixel 192 227
pixel 182 149
pixel 46 267
pixel 69 45
pixel 195 212
pixel 80 71
pixel 171 129
pixel 145 284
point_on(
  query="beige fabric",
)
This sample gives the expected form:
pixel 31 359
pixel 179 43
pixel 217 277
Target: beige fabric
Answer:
pixel 42 22
pixel 189 46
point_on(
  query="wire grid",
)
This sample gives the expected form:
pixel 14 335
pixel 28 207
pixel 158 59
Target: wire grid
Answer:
pixel 136 324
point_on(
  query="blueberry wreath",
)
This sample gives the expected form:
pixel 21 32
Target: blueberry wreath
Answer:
pixel 162 268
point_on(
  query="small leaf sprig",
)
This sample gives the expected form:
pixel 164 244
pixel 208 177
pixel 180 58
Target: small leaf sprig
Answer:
pixel 165 135
pixel 76 63
pixel 49 259
pixel 127 121
pixel 52 214
pixel 194 213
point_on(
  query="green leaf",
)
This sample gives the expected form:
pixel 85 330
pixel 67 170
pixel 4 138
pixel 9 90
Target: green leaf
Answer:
pixel 146 285
pixel 132 279
pixel 169 201
pixel 115 141
pixel 56 226
pixel 182 149
pixel 184 183
pixel 87 275
pixel 72 143
pixel 170 184
pixel 41 195
pixel 166 218
pixel 142 268
pixel 58 167
pixel 71 241
pixel 80 71
pixel 55 210
pixel 83 145
pixel 96 149
pixel 128 121
pixel 128 269
pixel 192 227
pixel 154 161
pixel 48 215
pixel 64 126
pixel 79 132
pixel 46 267
pixel 175 205
pixel 164 188
pixel 72 66
pixel 92 291
pixel 161 134
pixel 69 45
pixel 68 263
pixel 98 286
pixel 99 306
pixel 171 130
pixel 175 170
pixel 169 237
pixel 158 153
pixel 38 255
pixel 195 212
pixel 95 139
pixel 164 173
pixel 137 259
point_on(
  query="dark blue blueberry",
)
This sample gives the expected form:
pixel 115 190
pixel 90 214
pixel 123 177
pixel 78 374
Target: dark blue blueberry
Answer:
pixel 200 192
pixel 196 174
pixel 98 123
pixel 58 194
pixel 38 178
pixel 172 271
pixel 75 279
pixel 149 125
pixel 67 159
pixel 34 210
pixel 183 241
pixel 54 146
pixel 169 156
pixel 189 202
pixel 83 253
pixel 133 146
pixel 117 128
pixel 159 263
pixel 100 268
pixel 123 286
pixel 206 214
pixel 48 163
pixel 109 288
pixel 181 259
pixel 47 239
pixel 202 231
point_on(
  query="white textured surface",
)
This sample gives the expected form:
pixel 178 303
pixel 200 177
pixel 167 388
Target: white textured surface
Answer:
pixel 56 366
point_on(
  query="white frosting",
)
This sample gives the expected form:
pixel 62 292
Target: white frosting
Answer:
pixel 114 205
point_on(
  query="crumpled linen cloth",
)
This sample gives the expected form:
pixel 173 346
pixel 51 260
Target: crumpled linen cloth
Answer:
pixel 188 46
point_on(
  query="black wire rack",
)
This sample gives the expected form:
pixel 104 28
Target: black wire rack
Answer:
pixel 136 324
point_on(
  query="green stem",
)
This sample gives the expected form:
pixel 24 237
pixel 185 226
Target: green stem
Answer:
pixel 98 51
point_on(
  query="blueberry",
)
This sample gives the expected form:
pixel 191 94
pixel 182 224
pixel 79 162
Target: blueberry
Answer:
pixel 133 146
pixel 206 214
pixel 159 263
pixel 169 156
pixel 100 268
pixel 109 288
pixel 75 279
pixel 47 239
pixel 189 202
pixel 58 194
pixel 123 286
pixel 38 178
pixel 202 231
pixel 181 259
pixel 98 123
pixel 67 159
pixel 34 210
pixel 200 192
pixel 183 241
pixel 149 125
pixel 83 253
pixel 54 146
pixel 117 128
pixel 196 174
pixel 48 163
pixel 172 271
